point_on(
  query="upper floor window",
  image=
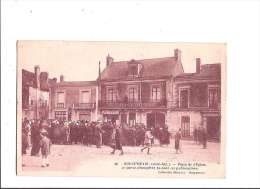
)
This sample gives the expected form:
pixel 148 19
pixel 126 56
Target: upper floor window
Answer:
pixel 156 93
pixel 184 98
pixel 111 94
pixel 133 95
pixel 85 96
pixel 60 99
pixel 213 97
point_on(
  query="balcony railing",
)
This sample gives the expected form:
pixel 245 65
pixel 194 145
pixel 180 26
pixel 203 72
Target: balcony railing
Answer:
pixel 133 105
pixel 60 105
pixel 176 105
pixel 84 105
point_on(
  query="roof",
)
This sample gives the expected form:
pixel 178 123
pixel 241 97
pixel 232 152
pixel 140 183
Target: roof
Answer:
pixel 151 68
pixel 29 79
pixel 76 83
pixel 207 71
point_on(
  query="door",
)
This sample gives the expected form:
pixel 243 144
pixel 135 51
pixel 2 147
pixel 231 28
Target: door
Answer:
pixel 213 127
pixel 123 119
pixel 150 120
pixel 84 117
pixel 185 126
pixel 160 119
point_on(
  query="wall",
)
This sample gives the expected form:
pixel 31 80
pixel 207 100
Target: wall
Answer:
pixel 173 120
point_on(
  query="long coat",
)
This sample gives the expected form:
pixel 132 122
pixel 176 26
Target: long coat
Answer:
pixel 177 140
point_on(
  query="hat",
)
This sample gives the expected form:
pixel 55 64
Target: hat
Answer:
pixel 43 131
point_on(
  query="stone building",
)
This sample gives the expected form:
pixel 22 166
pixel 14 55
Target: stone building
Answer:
pixel 137 91
pixel 197 101
pixel 154 92
pixel 35 94
pixel 73 100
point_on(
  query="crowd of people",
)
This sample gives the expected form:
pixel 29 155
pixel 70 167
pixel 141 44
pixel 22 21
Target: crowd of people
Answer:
pixel 87 133
pixel 40 134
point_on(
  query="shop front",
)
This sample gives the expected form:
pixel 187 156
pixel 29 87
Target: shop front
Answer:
pixel 155 119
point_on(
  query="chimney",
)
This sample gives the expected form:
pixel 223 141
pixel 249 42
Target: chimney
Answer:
pixel 177 54
pixel 109 60
pixel 37 75
pixel 61 78
pixel 197 65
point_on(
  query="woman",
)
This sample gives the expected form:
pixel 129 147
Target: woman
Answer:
pixel 178 142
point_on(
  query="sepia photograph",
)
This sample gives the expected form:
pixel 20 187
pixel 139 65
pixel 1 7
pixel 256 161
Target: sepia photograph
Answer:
pixel 121 109
pixel 139 94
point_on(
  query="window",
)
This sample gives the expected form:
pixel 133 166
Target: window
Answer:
pixel 213 97
pixel 156 93
pixel 111 95
pixel 133 96
pixel 61 115
pixel 60 100
pixel 85 96
pixel 132 69
pixel 184 98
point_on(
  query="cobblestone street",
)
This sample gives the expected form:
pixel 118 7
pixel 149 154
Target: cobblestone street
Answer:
pixel 76 157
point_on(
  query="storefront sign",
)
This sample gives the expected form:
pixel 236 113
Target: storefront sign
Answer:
pixel 115 112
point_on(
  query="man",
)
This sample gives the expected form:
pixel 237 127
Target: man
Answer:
pixel 98 135
pixel 178 141
pixel 117 141
pixel 204 138
pixel 35 139
pixel 147 140
pixel 195 135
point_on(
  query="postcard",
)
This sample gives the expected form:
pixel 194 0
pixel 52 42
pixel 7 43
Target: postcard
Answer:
pixel 121 109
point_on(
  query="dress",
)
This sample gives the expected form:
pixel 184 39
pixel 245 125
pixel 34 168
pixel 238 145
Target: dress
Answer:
pixel 177 140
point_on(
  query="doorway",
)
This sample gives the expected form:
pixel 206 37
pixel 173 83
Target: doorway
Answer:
pixel 155 120
pixel 185 126
pixel 213 127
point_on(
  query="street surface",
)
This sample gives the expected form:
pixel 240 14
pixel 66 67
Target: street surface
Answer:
pixel 77 156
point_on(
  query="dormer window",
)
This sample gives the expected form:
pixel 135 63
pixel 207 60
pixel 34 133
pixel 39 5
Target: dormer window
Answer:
pixel 134 68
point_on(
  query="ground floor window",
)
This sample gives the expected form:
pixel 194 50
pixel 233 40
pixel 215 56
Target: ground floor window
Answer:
pixel 113 118
pixel 185 126
pixel 84 116
pixel 60 115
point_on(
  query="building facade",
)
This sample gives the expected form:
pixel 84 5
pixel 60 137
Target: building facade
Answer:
pixel 197 101
pixel 35 94
pixel 152 92
pixel 73 100
pixel 137 91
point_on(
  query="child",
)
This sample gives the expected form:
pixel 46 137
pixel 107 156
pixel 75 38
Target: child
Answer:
pixel 147 141
pixel 45 145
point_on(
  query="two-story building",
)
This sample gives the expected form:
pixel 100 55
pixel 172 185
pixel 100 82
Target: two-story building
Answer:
pixel 35 94
pixel 136 91
pixel 73 100
pixel 197 100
